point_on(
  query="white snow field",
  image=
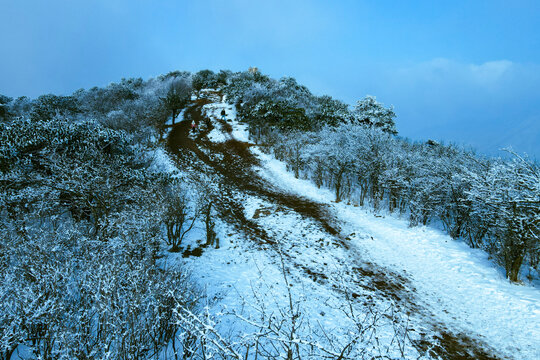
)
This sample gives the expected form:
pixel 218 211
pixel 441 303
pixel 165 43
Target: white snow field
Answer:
pixel 452 288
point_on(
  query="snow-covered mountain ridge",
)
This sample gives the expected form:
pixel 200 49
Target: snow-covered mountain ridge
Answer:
pixel 235 216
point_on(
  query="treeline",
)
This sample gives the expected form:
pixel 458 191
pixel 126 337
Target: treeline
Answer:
pixel 492 204
pixel 132 105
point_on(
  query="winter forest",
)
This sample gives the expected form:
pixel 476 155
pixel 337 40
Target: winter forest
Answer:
pixel 117 204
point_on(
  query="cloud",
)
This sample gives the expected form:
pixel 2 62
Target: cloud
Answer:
pixel 448 73
pixel 480 104
pixel 490 72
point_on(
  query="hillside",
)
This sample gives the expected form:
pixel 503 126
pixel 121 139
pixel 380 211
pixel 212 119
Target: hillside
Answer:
pixel 234 216
pixel 416 291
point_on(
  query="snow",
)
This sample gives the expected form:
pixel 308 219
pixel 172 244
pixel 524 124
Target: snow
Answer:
pixel 460 284
pixel 217 136
pixel 161 162
pixel 239 278
pixel 239 131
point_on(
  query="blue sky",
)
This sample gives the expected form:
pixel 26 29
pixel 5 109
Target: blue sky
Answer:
pixel 458 71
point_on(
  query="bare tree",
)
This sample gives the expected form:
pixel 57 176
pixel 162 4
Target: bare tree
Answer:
pixel 177 97
pixel 179 215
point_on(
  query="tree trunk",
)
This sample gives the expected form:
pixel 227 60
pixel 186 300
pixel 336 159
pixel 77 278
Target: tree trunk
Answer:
pixel 210 233
pixel 512 272
pixel 174 115
pixel 337 186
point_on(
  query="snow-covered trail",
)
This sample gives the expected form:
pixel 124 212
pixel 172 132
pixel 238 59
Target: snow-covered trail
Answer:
pixel 458 306
pixel 459 284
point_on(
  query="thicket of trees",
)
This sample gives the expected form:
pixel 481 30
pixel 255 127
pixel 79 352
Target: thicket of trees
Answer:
pixel 83 219
pixel 267 104
pixel 132 105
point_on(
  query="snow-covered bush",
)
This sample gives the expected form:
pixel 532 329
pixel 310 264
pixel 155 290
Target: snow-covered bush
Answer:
pixel 48 106
pixel 69 295
pixel 133 105
pixel 80 216
pixel 507 197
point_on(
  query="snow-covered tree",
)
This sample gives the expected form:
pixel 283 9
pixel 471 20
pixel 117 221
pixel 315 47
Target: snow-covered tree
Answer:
pixel 177 98
pixel 370 112
pixel 204 79
pixel 331 112
pixel 179 214
pixel 336 149
pixel 4 111
pixel 222 77
pixel 291 149
pixel 507 195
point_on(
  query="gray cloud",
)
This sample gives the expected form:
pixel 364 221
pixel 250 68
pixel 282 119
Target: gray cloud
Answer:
pixel 488 105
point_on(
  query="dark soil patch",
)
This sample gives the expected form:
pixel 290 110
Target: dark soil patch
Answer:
pixel 262 212
pixel 391 284
pixel 197 252
pixel 226 126
pixel 454 347
pixel 316 276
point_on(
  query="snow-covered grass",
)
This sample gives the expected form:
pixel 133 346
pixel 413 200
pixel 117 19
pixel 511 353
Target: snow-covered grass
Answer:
pixel 161 162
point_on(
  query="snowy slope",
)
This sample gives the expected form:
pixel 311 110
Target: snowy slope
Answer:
pixel 400 278
pixel 457 282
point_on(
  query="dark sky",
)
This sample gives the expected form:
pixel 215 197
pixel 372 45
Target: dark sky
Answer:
pixel 461 71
